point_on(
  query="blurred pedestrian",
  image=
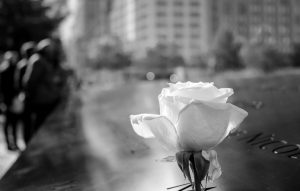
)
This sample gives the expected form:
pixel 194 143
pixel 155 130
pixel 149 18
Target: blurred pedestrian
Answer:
pixel 27 50
pixel 8 94
pixel 44 82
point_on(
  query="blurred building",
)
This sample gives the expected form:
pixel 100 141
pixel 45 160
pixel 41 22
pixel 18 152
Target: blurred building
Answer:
pixel 275 22
pixel 191 25
pixel 95 17
pixel 142 24
pixel 87 23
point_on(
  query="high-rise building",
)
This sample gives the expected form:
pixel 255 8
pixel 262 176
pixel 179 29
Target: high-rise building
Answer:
pixel 95 18
pixel 279 20
pixel 192 25
pixel 141 24
pixel 86 24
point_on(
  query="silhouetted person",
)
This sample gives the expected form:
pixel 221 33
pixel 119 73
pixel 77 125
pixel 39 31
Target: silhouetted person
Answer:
pixel 9 92
pixel 27 50
pixel 44 81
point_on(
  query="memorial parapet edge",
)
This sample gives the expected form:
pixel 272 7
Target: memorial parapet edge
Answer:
pixel 263 154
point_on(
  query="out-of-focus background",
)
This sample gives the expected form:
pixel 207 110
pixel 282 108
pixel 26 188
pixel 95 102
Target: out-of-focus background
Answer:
pixel 155 39
pixel 109 43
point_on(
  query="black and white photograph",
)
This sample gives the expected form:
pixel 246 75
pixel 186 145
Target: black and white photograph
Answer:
pixel 149 95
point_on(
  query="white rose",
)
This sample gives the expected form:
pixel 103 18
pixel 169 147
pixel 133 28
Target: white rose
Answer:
pixel 193 117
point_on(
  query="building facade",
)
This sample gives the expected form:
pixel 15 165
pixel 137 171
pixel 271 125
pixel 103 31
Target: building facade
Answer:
pixel 276 21
pixel 142 24
pixel 191 25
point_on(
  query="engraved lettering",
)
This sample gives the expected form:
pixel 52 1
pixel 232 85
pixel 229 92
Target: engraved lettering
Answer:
pixel 263 141
pixel 294 156
pixel 284 149
pixel 257 137
pixel 263 146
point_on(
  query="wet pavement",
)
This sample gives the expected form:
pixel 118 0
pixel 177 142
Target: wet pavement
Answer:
pixel 88 144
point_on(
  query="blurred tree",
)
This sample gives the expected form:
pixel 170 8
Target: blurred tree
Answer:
pixel 262 53
pixel 296 55
pixel 225 51
pixel 199 61
pixel 163 56
pixel 107 52
pixel 25 20
pixel 264 57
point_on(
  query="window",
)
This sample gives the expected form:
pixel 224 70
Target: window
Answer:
pixel 143 37
pixel 194 46
pixel 283 30
pixel 286 40
pixel 143 27
pixel 194 25
pixel 227 8
pixel 142 5
pixel 242 9
pixel 162 36
pixel 195 3
pixel 161 14
pixel 255 8
pixel 195 14
pixel 283 19
pixel 195 36
pixel 178 14
pixel 178 25
pixel 297 20
pixel 161 25
pixel 256 2
pixel 178 3
pixel 178 35
pixel 284 2
pixel 143 16
pixel 270 9
pixel 161 3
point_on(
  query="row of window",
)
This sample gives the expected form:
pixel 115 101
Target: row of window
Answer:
pixel 254 30
pixel 191 45
pixel 176 25
pixel 177 14
pixel 178 36
pixel 193 36
pixel 244 7
pixel 262 19
pixel 180 26
pixel 192 3
pixel 161 14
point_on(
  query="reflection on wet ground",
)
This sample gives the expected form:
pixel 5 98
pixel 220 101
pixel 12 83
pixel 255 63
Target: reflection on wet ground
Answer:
pixel 90 145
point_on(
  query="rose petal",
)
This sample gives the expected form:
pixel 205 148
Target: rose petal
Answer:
pixel 224 93
pixel 149 125
pixel 189 84
pixel 214 170
pixel 171 106
pixel 139 127
pixel 237 116
pixel 198 91
pixel 209 93
pixel 203 125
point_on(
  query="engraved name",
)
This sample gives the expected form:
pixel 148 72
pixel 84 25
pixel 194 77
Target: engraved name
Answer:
pixel 268 141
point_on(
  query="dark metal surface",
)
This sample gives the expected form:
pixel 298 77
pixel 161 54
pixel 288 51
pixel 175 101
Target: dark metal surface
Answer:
pixel 90 145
